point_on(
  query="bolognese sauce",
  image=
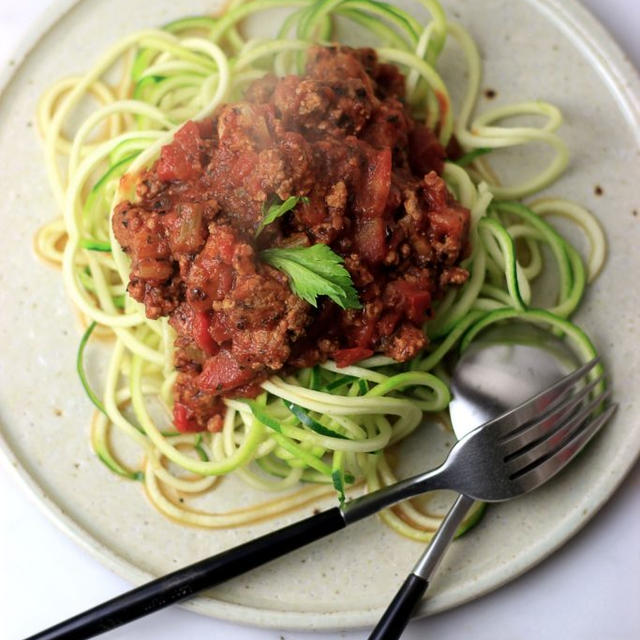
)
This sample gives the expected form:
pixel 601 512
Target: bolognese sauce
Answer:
pixel 341 138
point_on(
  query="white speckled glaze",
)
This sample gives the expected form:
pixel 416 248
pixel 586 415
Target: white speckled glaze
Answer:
pixel 544 49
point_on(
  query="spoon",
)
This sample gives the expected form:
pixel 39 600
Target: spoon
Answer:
pixel 503 368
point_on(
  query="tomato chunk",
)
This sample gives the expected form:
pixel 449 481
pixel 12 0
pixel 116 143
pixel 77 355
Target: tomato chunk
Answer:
pixel 415 300
pixel 346 357
pixel 370 239
pixel 180 160
pixel 220 331
pixel 184 420
pixel 388 322
pixel 363 335
pixel 222 372
pixel 225 245
pixel 371 198
pixel 201 324
pixel 426 153
pixel 205 128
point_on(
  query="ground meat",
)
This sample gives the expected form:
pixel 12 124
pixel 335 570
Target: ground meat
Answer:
pixel 341 137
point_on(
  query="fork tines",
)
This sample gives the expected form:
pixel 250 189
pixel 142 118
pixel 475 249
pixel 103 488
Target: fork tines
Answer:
pixel 541 446
pixel 548 465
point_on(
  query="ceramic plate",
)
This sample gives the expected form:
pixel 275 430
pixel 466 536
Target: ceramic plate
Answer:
pixel 538 49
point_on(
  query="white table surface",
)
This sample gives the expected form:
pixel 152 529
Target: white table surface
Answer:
pixel 589 590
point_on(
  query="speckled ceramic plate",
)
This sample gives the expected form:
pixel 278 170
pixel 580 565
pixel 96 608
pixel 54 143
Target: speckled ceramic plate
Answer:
pixel 548 49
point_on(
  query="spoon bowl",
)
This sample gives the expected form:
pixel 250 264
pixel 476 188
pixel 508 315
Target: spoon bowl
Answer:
pixel 501 369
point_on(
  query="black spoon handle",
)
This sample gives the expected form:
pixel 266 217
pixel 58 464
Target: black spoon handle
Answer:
pixel 184 583
pixel 398 613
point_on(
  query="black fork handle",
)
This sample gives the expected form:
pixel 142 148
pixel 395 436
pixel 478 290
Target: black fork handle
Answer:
pixel 186 582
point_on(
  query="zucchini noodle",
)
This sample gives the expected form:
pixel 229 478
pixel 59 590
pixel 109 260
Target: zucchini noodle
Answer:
pixel 327 429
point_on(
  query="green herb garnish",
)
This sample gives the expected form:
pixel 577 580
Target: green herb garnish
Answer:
pixel 315 271
pixel 278 209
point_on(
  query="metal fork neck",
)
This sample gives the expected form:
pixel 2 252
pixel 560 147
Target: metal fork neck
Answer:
pixel 371 503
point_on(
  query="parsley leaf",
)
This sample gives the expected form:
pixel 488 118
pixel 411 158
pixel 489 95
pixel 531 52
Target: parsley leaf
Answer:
pixel 279 209
pixel 315 271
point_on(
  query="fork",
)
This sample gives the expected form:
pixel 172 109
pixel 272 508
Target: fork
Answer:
pixel 499 460
pixel 529 445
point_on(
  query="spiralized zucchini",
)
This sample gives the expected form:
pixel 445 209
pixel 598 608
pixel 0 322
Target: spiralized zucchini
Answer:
pixel 321 430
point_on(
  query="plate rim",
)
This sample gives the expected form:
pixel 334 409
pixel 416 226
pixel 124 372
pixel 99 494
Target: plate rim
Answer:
pixel 617 70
